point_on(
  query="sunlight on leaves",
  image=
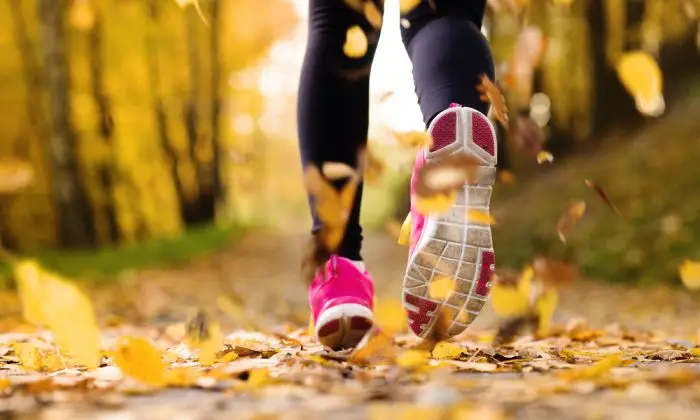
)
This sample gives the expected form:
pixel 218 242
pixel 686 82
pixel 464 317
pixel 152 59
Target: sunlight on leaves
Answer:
pixel 139 359
pixel 689 272
pixel 355 45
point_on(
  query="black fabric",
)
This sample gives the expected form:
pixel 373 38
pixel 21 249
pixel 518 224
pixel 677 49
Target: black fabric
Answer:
pixel 448 53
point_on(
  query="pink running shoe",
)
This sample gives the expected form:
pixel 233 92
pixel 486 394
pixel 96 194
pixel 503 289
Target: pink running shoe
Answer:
pixel 450 244
pixel 341 299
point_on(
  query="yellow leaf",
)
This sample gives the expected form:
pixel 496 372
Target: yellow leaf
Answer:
pixel 506 177
pixel 29 356
pixel 508 301
pixel 182 376
pixel 406 6
pixel 30 290
pixel 373 15
pixel 545 306
pixel 355 42
pixel 82 15
pixel 4 383
pixel 69 315
pixel 413 359
pixel 447 351
pixel 259 377
pixel 641 76
pixel 439 203
pixel 405 233
pixel 390 316
pixel 205 335
pixel 139 359
pixel 311 331
pixel 544 156
pixel 228 357
pixel 320 360
pixel 596 370
pixel 480 217
pixel 441 287
pixel 377 347
pixel 413 139
pixel 690 274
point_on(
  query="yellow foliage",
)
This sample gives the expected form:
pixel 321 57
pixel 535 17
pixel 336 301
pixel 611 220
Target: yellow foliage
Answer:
pixel 405 233
pixel 508 301
pixel 690 274
pixel 444 350
pixel 413 359
pixel 390 316
pixel 355 45
pixel 641 75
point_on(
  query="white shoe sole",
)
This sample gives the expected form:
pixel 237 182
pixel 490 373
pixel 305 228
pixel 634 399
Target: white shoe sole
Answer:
pixel 450 244
pixel 343 326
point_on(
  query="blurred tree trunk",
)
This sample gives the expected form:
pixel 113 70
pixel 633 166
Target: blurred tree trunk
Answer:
pixel 216 70
pixel 75 218
pixel 106 214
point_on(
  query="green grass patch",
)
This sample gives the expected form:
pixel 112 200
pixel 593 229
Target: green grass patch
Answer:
pixel 94 266
pixel 653 179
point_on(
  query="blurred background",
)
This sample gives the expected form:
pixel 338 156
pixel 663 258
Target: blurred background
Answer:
pixel 156 139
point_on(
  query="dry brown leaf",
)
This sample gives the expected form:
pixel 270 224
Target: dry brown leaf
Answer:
pixel 569 219
pixel 490 93
pixel 602 194
pixel 554 273
pixel 444 176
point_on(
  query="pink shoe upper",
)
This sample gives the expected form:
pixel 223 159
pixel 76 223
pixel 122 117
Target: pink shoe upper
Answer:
pixel 340 282
pixel 418 219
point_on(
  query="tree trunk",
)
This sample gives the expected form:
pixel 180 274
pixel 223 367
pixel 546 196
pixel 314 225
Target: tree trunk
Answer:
pixel 105 126
pixel 75 217
pixel 215 54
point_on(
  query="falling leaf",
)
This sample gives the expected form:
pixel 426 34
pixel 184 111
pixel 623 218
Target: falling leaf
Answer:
pixel 491 94
pixel 337 170
pixel 569 219
pixel 544 156
pixel 30 290
pixel 554 273
pixel 642 77
pixel 373 15
pixel 139 359
pixel 441 287
pixel 316 254
pixel 257 378
pixel 480 217
pixel 15 174
pixel 602 194
pixel 446 175
pixel 205 335
pixel 355 42
pixel 4 383
pixel 506 177
pixel 545 306
pixel 371 166
pixel 438 203
pixel 413 139
pixel 390 316
pixel 197 7
pixel 412 359
pixel 406 6
pixel 512 300
pixel 405 233
pixel 689 272
pixel 375 348
pixel 444 350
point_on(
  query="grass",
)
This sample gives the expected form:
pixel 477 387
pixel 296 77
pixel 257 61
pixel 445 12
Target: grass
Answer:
pixel 652 176
pixel 102 265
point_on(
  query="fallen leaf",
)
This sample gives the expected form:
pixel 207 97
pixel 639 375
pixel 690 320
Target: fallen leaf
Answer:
pixel 355 45
pixel 554 273
pixel 376 347
pixel 444 350
pixel 412 359
pixel 30 290
pixel 139 359
pixel 569 219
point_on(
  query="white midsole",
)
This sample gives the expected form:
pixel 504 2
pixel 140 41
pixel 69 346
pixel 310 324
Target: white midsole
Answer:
pixel 344 310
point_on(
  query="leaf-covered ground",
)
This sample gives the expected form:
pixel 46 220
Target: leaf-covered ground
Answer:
pixel 614 353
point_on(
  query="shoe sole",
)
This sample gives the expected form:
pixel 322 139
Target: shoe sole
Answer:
pixel 449 244
pixel 343 326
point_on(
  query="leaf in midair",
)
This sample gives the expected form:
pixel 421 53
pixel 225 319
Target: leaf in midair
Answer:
pixel 689 272
pixel 544 156
pixel 197 7
pixel 602 194
pixel 480 217
pixel 356 44
pixel 406 6
pixel 204 334
pixel 569 219
pixel 373 15
pixel 413 139
pixel 490 93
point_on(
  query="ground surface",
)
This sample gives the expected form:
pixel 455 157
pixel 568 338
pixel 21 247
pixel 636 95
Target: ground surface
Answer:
pixel 635 358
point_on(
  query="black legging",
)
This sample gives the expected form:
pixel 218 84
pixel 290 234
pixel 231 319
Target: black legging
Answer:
pixel 448 52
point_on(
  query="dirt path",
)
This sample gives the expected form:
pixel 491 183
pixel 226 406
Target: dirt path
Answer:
pixel 659 379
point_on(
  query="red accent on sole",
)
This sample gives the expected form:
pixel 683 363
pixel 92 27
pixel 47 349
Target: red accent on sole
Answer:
pixel 417 320
pixel 360 323
pixel 487 261
pixel 482 135
pixel 331 327
pixel 444 131
pixel 455 105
